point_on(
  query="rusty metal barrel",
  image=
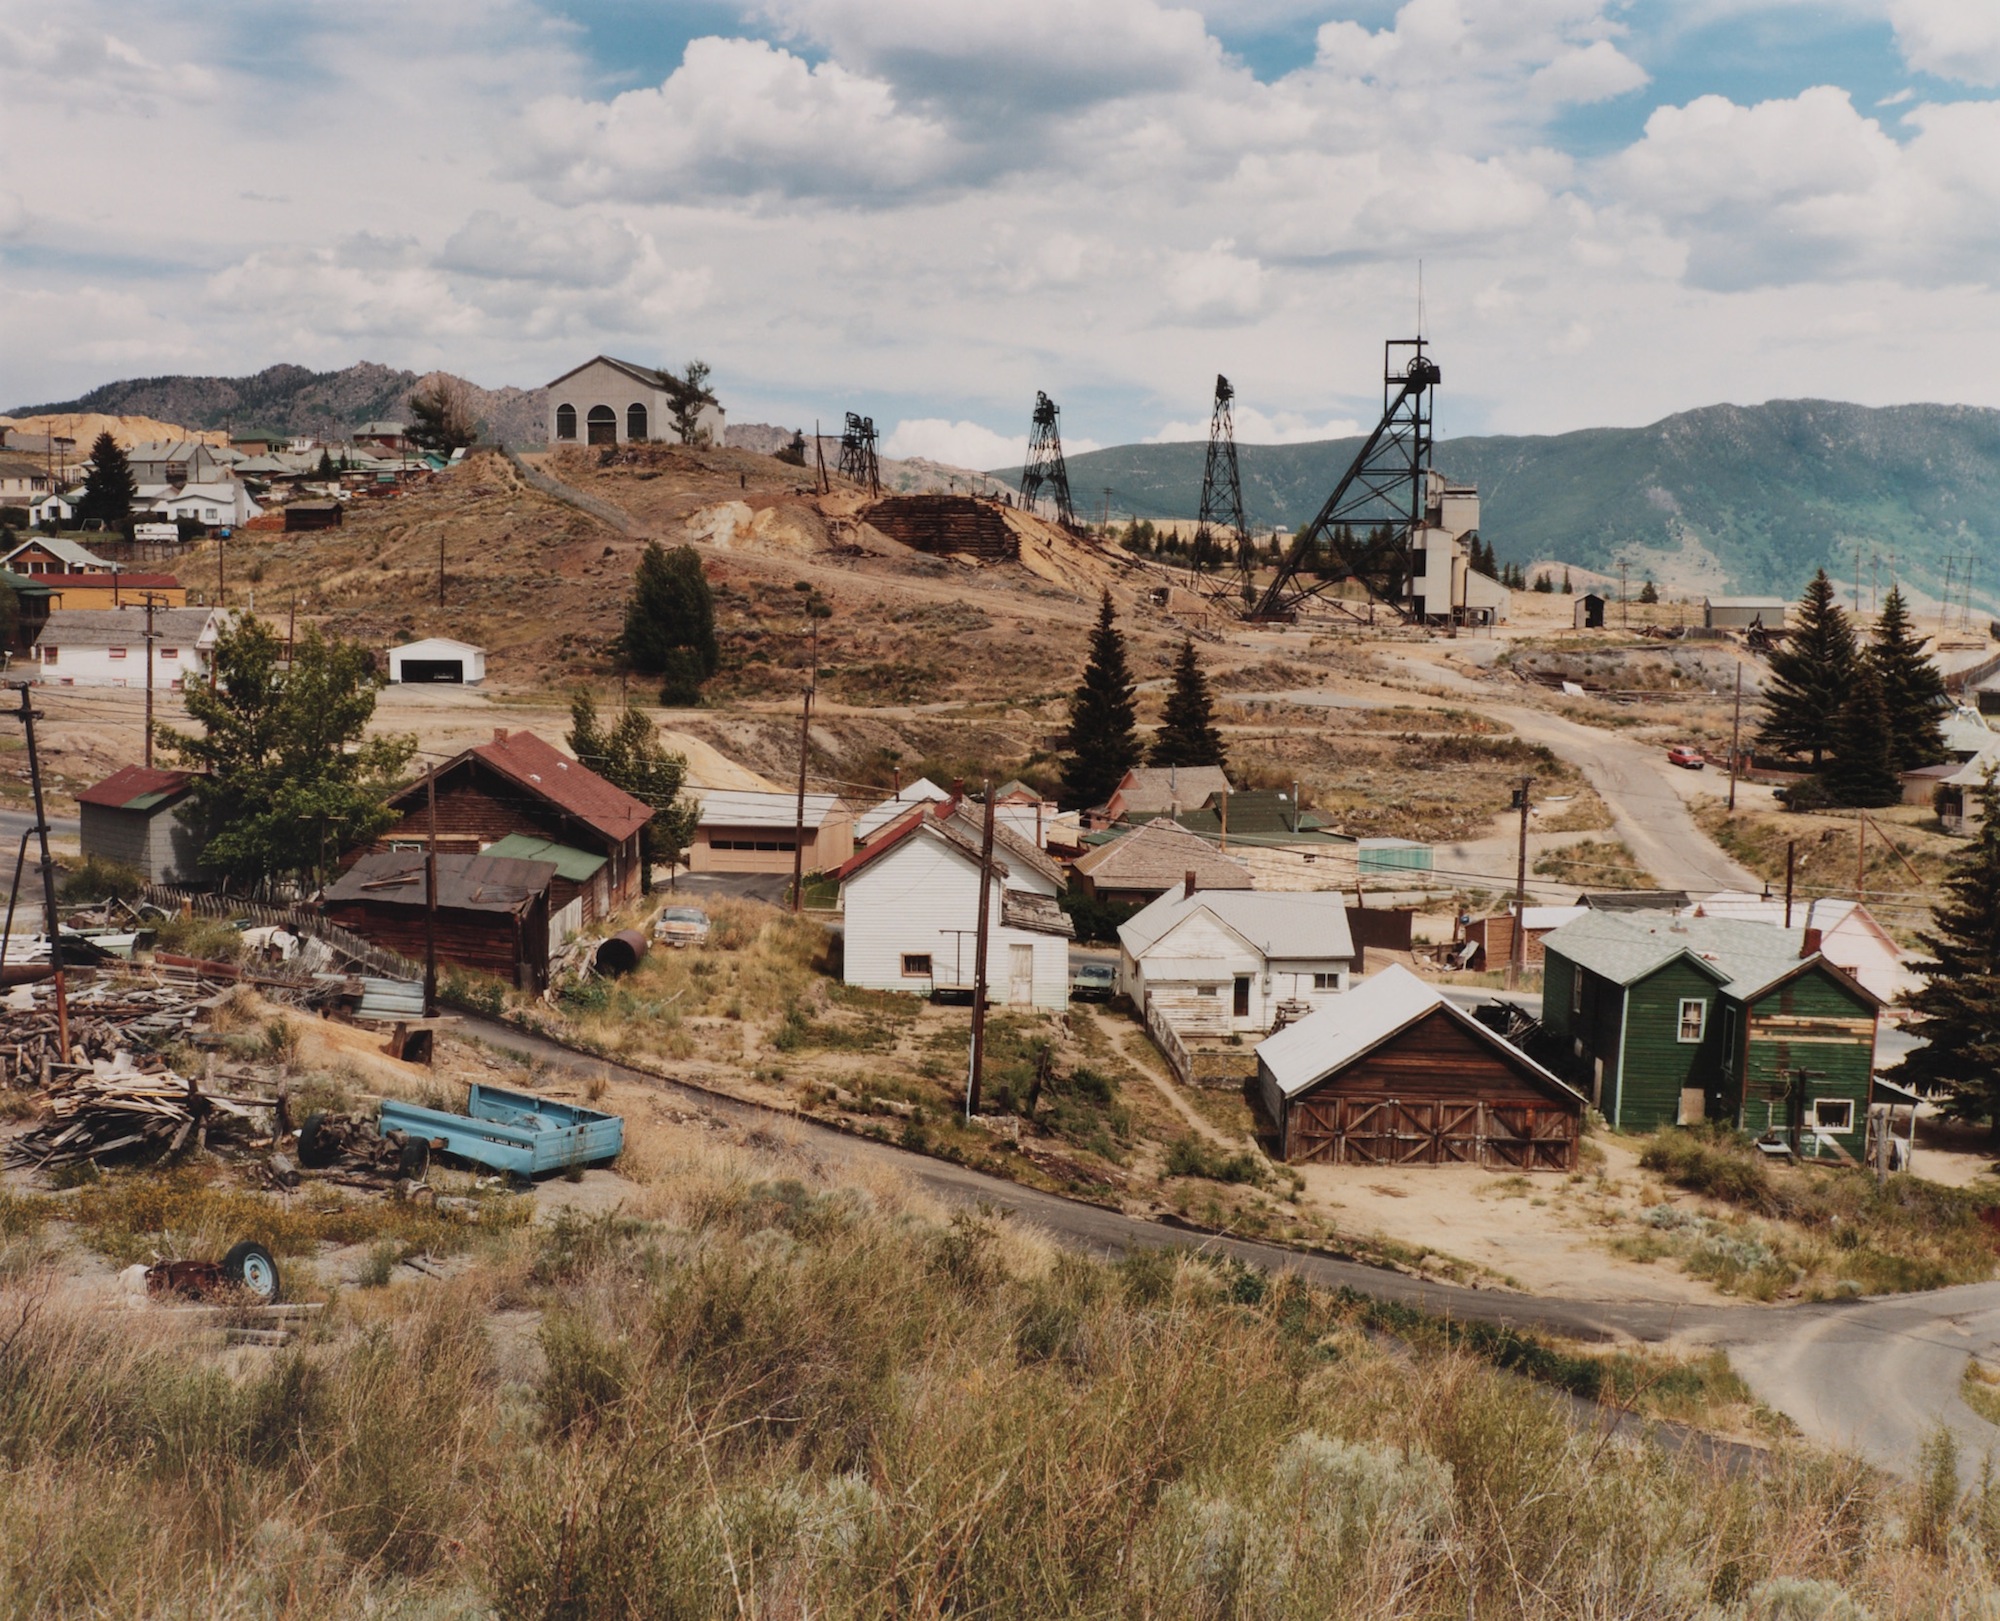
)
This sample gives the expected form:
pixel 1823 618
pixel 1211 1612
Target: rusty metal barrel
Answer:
pixel 621 953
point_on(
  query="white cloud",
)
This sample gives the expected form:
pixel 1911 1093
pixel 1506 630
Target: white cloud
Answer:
pixel 572 253
pixel 1217 285
pixel 1254 427
pixel 1955 39
pixel 960 444
pixel 1594 72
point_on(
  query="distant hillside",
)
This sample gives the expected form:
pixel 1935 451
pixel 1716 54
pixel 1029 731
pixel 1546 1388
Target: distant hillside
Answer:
pixel 1758 495
pixel 291 399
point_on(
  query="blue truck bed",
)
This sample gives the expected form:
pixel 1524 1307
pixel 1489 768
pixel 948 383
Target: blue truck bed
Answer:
pixel 513 1131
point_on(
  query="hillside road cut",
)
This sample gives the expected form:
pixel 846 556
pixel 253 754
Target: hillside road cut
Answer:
pixel 1871 1376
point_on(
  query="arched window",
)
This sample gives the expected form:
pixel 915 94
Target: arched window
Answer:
pixel 635 422
pixel 603 424
pixel 565 422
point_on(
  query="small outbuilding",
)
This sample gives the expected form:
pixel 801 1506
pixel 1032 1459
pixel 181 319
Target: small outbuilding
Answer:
pixel 1590 611
pixel 1391 1073
pixel 304 517
pixel 1745 613
pixel 492 912
pixel 437 659
pixel 133 818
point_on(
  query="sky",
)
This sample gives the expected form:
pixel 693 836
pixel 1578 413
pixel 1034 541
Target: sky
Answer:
pixel 1602 211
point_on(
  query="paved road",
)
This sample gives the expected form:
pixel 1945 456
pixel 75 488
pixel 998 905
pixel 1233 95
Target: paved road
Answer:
pixel 14 823
pixel 1872 1375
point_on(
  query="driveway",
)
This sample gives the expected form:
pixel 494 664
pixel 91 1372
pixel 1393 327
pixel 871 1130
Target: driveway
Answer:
pixel 1873 1376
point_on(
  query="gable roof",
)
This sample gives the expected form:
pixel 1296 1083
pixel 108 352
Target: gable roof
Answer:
pixel 1354 1024
pixel 465 883
pixel 136 787
pixel 746 807
pixel 963 829
pixel 1305 925
pixel 1745 958
pixel 1159 855
pixel 921 792
pixel 1016 792
pixel 549 774
pixel 1824 912
pixel 646 375
pixel 62 549
pixel 126 627
pixel 407 648
pixel 1151 788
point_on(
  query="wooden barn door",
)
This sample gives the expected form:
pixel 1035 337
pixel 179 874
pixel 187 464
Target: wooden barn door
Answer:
pixel 1531 1137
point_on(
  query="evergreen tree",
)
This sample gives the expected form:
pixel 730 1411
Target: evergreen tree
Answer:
pixel 1102 742
pixel 1187 734
pixel 326 468
pixel 1809 677
pixel 109 487
pixel 1568 589
pixel 631 756
pixel 1649 593
pixel 670 623
pixel 1958 1006
pixel 1912 689
pixel 1544 584
pixel 1863 768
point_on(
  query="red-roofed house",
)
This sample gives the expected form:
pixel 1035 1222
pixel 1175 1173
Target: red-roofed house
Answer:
pixel 543 806
pixel 133 817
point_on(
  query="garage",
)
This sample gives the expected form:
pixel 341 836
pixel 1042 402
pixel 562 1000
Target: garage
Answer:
pixel 437 659
pixel 1391 1073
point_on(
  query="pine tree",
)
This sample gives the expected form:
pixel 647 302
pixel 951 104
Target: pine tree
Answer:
pixel 1567 589
pixel 1958 1006
pixel 1544 584
pixel 1863 768
pixel 1912 689
pixel 326 467
pixel 109 487
pixel 1649 593
pixel 1187 734
pixel 1809 677
pixel 1102 742
pixel 670 623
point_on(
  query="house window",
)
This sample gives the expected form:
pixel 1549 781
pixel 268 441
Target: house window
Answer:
pixel 1694 1018
pixel 916 965
pixel 635 422
pixel 177 472
pixel 118 652
pixel 1208 990
pixel 602 425
pixel 208 514
pixel 50 654
pixel 170 652
pixel 1326 982
pixel 1833 1114
pixel 565 422
pixel 1575 991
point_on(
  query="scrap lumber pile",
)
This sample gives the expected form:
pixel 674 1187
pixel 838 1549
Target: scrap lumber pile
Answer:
pixel 118 1107
pixel 107 1016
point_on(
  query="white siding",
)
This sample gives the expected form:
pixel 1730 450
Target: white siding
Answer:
pixel 1199 954
pixel 95 667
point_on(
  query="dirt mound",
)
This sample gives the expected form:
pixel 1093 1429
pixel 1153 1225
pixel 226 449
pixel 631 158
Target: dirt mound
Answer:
pixel 85 426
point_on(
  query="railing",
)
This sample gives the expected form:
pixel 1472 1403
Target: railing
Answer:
pixel 299 920
pixel 1168 1040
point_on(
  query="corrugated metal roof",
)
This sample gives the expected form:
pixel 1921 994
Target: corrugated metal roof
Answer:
pixel 744 807
pixel 577 866
pixel 1296 925
pixel 1357 1022
pixel 135 787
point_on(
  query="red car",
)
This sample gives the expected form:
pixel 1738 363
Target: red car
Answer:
pixel 1681 754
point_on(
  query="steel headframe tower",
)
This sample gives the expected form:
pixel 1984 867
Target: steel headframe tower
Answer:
pixel 857 453
pixel 1383 488
pixel 1221 522
pixel 1045 469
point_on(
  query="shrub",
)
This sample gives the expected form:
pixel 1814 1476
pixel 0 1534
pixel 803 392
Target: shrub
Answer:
pixel 1190 1156
pixel 98 879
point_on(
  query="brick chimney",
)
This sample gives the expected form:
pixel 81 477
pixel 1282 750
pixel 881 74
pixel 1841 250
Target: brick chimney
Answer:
pixel 1187 886
pixel 499 734
pixel 1810 945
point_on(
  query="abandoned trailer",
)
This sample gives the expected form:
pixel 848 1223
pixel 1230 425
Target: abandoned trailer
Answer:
pixel 1393 1074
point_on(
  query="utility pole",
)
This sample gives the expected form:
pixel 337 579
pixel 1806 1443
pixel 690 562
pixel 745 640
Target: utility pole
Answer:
pixel 51 922
pixel 148 752
pixel 431 893
pixel 1860 853
pixel 440 565
pixel 218 571
pixel 1735 736
pixel 1791 866
pixel 1624 599
pixel 977 1070
pixel 1225 822
pixel 799 831
pixel 1944 607
pixel 1517 951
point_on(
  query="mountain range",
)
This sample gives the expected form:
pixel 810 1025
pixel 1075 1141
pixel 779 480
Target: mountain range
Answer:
pixel 1746 498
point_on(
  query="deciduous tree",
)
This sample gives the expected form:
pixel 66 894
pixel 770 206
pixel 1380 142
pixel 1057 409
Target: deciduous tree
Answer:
pixel 1809 677
pixel 693 395
pixel 1102 742
pixel 631 756
pixel 109 487
pixel 670 623
pixel 286 775
pixel 442 414
pixel 1912 687
pixel 1187 734
pixel 1958 1006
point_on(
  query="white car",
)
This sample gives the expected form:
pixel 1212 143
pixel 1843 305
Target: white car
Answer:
pixel 681 926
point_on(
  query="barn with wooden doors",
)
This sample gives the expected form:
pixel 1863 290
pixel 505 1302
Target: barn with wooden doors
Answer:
pixel 1393 1074
pixel 492 913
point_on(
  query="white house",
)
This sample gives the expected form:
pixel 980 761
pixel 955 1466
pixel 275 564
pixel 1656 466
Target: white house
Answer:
pixel 911 903
pixel 1849 936
pixel 106 647
pixel 437 658
pixel 224 501
pixel 60 505
pixel 1229 961
pixel 878 817
pixel 615 402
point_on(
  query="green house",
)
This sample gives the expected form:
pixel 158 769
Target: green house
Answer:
pixel 1664 1020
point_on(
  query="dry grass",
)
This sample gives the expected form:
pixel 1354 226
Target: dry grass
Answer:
pixel 1596 864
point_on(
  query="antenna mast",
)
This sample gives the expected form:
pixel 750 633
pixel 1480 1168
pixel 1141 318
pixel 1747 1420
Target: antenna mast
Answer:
pixel 1045 468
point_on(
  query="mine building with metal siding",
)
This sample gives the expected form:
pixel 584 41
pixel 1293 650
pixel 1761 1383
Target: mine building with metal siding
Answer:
pixel 1391 1073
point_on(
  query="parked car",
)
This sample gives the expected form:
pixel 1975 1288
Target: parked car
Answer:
pixel 1092 982
pixel 1682 755
pixel 682 926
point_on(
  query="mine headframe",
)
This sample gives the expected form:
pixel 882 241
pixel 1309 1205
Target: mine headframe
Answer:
pixel 1045 472
pixel 1363 531
pixel 1221 535
pixel 857 453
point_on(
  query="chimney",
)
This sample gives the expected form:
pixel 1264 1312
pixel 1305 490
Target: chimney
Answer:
pixel 499 734
pixel 1187 886
pixel 1810 945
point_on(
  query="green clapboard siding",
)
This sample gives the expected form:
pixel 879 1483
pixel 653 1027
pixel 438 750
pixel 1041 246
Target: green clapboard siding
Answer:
pixel 1558 980
pixel 1657 1063
pixel 1773 1059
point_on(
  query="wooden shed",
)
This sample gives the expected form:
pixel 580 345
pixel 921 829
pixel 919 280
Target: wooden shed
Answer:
pixel 1393 1074
pixel 492 912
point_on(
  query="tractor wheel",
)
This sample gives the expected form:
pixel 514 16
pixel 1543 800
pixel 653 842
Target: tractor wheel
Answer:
pixel 255 1268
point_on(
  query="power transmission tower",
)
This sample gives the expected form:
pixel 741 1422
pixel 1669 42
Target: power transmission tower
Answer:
pixel 857 453
pixel 1045 468
pixel 1221 519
